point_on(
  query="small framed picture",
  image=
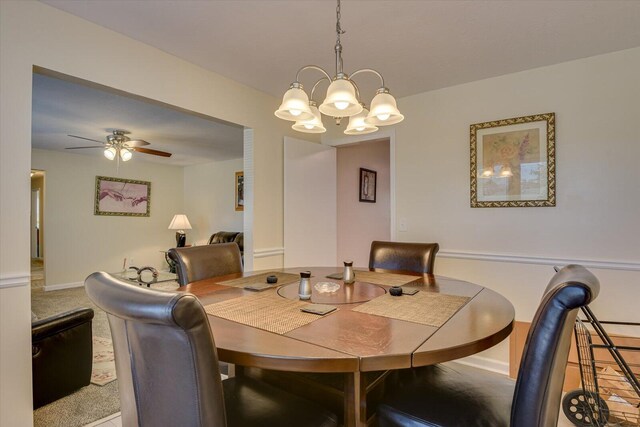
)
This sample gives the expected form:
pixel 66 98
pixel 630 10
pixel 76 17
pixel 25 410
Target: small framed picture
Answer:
pixel 240 191
pixel 368 185
pixel 122 197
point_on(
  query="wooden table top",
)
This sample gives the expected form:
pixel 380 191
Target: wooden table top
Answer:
pixel 350 341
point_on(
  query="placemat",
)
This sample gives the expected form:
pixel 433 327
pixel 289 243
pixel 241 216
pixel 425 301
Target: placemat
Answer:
pixel 265 310
pixel 283 279
pixel 426 308
pixel 386 279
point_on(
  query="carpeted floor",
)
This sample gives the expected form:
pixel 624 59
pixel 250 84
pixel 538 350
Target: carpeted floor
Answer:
pixel 90 403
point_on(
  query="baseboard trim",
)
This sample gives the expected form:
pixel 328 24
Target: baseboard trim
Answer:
pixel 487 364
pixel 60 286
pixel 519 259
pixel 268 252
pixel 15 280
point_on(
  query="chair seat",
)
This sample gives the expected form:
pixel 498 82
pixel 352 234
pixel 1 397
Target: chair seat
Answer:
pixel 448 394
pixel 253 403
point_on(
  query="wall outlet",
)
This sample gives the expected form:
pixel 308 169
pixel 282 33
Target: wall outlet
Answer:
pixel 402 224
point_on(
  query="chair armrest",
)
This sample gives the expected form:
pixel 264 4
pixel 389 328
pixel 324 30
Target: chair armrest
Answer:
pixel 53 325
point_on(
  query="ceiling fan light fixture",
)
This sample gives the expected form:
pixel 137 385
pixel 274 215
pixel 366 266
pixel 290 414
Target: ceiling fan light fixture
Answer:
pixel 384 110
pixel 357 125
pixel 125 154
pixel 110 153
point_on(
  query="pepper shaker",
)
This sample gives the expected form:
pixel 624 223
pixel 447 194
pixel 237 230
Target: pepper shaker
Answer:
pixel 348 277
pixel 304 290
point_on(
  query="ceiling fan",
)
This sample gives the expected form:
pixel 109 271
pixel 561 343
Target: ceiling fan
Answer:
pixel 119 145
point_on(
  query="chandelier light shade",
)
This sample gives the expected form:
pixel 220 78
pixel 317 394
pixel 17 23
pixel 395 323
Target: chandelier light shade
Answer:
pixel 384 111
pixel 125 154
pixel 342 99
pixel 311 126
pixel 358 126
pixel 295 105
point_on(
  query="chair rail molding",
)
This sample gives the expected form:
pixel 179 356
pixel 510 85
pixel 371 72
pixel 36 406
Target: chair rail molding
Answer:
pixel 14 280
pixel 267 252
pixel 521 259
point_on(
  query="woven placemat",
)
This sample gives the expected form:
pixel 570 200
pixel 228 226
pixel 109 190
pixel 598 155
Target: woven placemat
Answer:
pixel 265 310
pixel 386 279
pixel 426 308
pixel 283 279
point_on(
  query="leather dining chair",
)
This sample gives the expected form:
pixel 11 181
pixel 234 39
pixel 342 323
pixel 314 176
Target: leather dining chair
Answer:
pixel 401 256
pixel 452 394
pixel 167 366
pixel 201 262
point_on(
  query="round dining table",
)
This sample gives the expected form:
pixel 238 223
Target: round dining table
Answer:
pixel 370 330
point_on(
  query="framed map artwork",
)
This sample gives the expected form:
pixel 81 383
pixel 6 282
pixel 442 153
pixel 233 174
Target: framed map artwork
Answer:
pixel 513 162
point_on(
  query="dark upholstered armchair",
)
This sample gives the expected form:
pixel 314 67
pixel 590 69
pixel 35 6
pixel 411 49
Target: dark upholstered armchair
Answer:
pixel 400 256
pixel 227 237
pixel 451 394
pixel 62 355
pixel 167 366
pixel 201 262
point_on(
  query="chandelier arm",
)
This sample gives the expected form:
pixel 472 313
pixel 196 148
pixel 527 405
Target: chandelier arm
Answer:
pixel 312 67
pixel 370 70
pixel 316 85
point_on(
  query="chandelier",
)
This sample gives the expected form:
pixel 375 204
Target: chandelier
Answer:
pixel 342 100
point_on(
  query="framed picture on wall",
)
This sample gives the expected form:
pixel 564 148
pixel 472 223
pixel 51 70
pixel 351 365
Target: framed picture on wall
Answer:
pixel 513 162
pixel 122 197
pixel 239 191
pixel 368 185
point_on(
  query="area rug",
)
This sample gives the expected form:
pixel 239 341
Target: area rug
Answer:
pixel 104 365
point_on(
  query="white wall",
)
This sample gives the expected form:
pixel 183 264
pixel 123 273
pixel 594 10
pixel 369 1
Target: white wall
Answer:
pixel 359 223
pixel 32 33
pixel 79 242
pixel 597 217
pixel 209 199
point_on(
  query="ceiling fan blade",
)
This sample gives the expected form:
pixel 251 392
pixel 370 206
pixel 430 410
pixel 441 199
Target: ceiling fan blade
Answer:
pixel 78 148
pixel 88 139
pixel 150 151
pixel 136 143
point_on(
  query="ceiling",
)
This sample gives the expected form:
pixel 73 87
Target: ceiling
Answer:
pixel 92 113
pixel 417 45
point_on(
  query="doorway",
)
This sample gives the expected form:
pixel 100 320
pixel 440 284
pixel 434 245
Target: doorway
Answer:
pixel 37 229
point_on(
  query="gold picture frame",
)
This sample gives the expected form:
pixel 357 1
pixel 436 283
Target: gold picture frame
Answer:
pixel 122 197
pixel 239 184
pixel 513 162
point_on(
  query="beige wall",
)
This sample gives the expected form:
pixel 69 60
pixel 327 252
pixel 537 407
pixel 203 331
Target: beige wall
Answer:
pixel 360 223
pixel 32 33
pixel 209 199
pixel 79 242
pixel 597 217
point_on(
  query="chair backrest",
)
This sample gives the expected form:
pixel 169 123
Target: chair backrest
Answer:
pixel 538 392
pixel 401 256
pixel 166 359
pixel 202 262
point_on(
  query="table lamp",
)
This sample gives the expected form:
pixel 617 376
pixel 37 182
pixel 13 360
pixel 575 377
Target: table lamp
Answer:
pixel 180 222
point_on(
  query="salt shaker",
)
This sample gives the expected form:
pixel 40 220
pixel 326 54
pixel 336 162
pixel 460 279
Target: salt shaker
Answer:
pixel 304 290
pixel 348 277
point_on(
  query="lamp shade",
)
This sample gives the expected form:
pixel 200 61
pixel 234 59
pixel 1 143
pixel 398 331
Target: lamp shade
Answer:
pixel 357 125
pixel 311 126
pixel 180 222
pixel 341 100
pixel 110 153
pixel 295 105
pixel 125 154
pixel 384 111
